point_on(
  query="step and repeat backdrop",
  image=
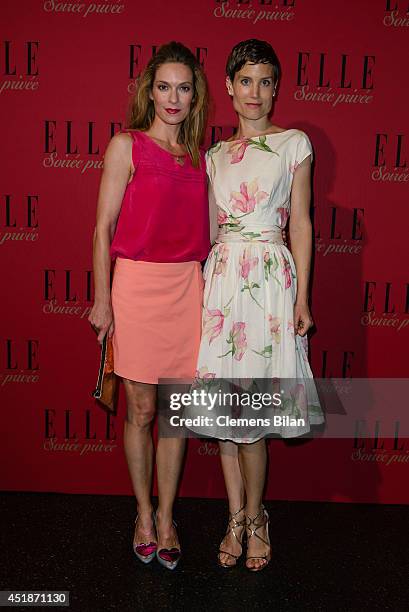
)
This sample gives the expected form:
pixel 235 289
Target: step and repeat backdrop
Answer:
pixel 67 72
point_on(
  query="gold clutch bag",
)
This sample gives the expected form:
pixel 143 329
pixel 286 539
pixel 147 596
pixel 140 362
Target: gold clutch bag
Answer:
pixel 106 391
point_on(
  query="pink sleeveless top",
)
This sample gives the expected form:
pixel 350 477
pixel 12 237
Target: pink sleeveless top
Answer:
pixel 164 215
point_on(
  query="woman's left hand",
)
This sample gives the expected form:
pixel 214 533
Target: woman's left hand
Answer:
pixel 302 319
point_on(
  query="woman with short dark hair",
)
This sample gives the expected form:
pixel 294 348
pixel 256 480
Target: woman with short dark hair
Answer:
pixel 256 312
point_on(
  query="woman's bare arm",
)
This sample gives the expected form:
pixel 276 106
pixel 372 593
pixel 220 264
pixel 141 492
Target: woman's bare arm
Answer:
pixel 300 230
pixel 117 170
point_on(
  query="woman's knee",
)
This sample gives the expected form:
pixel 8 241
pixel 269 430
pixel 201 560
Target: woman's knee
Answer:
pixel 140 414
pixel 141 405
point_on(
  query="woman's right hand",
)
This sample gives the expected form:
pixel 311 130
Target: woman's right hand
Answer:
pixel 101 319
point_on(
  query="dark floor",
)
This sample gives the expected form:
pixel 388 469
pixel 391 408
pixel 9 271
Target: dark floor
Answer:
pixel 326 556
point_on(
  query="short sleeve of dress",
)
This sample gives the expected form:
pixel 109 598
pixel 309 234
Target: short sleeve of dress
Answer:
pixel 212 200
pixel 303 149
pixel 210 160
pixel 208 164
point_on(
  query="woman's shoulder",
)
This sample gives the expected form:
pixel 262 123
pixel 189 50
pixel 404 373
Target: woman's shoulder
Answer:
pixel 298 135
pixel 120 146
pixel 299 144
pixel 124 140
pixel 126 135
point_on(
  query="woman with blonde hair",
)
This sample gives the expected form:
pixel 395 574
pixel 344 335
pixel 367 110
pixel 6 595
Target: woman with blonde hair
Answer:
pixel 153 220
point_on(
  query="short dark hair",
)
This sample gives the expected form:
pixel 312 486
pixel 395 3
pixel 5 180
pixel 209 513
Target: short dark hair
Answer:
pixel 254 51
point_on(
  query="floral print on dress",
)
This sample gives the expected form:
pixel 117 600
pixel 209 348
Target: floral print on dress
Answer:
pixel 246 264
pixel 274 324
pixel 212 323
pixel 290 327
pixel 204 374
pixel 275 328
pixel 251 285
pixel 286 269
pixel 237 148
pixel 238 340
pixel 270 266
pixel 222 216
pixel 249 196
pixel 204 379
pixel 222 255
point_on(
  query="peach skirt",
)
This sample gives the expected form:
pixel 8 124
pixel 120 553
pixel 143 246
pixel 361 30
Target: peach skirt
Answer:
pixel 157 314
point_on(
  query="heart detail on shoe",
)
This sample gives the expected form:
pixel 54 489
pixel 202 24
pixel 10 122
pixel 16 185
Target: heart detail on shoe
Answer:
pixel 169 554
pixel 145 549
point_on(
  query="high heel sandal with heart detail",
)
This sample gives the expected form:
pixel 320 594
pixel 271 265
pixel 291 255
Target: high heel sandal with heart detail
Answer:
pixel 168 557
pixel 252 526
pixel 145 551
pixel 233 524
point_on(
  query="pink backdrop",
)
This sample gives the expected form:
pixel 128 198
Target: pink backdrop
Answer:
pixel 67 70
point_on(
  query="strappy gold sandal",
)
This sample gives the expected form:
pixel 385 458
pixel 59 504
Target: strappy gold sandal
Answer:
pixel 231 526
pixel 251 527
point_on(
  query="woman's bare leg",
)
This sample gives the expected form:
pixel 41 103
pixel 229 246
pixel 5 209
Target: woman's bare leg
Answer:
pixel 253 463
pixel 141 406
pixel 236 495
pixel 169 457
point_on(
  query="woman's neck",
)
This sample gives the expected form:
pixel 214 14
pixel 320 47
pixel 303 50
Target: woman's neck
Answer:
pixel 164 132
pixel 248 128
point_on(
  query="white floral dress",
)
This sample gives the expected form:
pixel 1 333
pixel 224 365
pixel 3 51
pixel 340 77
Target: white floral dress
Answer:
pixel 250 277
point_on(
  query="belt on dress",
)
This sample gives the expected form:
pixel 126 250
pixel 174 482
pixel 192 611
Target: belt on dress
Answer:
pixel 250 233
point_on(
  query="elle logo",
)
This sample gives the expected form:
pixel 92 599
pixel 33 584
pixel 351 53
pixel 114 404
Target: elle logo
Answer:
pixel 336 364
pixel 340 224
pixel 65 427
pixel 21 355
pixel 20 218
pixel 323 70
pixel 23 61
pixel 391 148
pixel 387 298
pixel 68 136
pixel 64 286
pixel 334 79
pixel 363 441
pixel 385 305
pixel 21 361
pixel 67 292
pixel 338 230
pixel 390 151
pixel 19 66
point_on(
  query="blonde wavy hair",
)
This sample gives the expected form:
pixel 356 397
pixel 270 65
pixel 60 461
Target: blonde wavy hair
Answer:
pixel 142 111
